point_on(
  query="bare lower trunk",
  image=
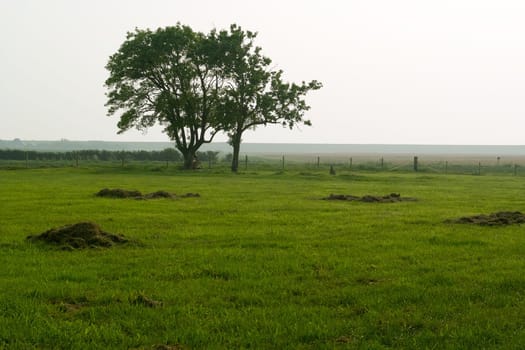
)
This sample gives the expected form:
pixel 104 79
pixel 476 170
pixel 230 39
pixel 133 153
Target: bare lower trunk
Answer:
pixel 236 144
pixel 189 159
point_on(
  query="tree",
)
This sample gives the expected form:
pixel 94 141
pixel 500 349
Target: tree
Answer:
pixel 255 94
pixel 168 154
pixel 171 77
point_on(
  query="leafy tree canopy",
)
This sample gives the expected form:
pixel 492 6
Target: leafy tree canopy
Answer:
pixel 172 77
pixel 254 93
pixel 197 85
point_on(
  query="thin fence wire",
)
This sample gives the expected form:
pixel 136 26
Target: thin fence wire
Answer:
pixel 471 166
pixel 250 163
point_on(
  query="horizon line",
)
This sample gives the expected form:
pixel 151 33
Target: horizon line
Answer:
pixel 280 143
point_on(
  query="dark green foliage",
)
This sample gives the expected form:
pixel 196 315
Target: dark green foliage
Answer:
pixel 171 77
pixel 208 156
pixel 255 94
pixel 168 154
pixel 196 85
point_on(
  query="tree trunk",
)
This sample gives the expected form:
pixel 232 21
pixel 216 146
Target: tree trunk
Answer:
pixel 236 144
pixel 188 153
pixel 189 158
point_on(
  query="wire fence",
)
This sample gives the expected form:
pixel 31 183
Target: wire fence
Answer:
pixel 455 165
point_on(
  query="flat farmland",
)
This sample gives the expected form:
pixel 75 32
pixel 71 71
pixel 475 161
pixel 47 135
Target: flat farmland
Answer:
pixel 260 260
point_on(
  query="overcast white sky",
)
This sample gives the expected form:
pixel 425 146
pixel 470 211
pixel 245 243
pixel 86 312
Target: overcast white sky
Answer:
pixel 403 71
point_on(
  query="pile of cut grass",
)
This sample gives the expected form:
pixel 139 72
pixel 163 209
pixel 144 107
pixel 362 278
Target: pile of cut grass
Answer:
pixel 121 193
pixel 79 236
pixel 389 198
pixel 500 218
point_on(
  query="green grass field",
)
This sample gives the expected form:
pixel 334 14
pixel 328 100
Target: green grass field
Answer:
pixel 260 261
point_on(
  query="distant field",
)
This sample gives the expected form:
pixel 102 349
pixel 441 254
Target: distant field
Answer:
pixel 261 261
pixel 319 149
pixel 453 159
pixel 392 163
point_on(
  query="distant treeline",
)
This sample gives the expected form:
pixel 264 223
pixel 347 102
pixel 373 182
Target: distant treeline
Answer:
pixel 168 154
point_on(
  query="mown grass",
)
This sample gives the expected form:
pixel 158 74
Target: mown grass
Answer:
pixel 260 261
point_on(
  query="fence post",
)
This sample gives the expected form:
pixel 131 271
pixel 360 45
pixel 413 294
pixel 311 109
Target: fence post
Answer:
pixel 515 169
pixel 350 162
pixel 415 163
pixel 382 163
pixel 283 162
pixel 446 166
pixel 479 168
pixel 318 161
pixel 27 159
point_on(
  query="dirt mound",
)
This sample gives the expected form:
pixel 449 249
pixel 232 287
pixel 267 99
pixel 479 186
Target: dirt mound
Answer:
pixel 159 194
pixel 79 236
pixel 164 194
pixel 390 198
pixel 500 218
pixel 118 193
